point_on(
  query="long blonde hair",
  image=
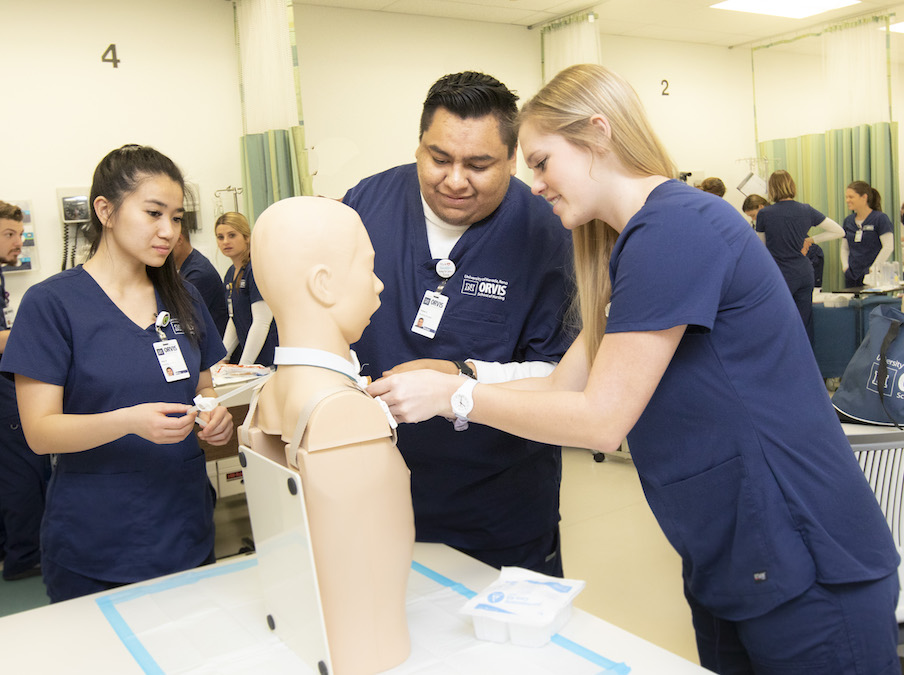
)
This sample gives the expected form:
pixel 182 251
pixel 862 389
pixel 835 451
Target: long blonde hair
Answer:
pixel 565 107
pixel 239 223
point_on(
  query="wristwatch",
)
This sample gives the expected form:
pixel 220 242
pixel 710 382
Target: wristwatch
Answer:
pixel 465 369
pixel 462 401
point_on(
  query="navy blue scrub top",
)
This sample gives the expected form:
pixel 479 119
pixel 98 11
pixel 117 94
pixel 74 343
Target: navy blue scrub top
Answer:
pixel 200 273
pixel 863 254
pixel 481 488
pixel 129 509
pixel 8 407
pixel 242 298
pixel 739 451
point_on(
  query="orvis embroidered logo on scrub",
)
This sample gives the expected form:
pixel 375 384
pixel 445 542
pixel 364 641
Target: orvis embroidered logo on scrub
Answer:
pixel 484 287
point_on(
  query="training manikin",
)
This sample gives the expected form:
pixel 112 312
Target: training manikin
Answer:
pixel 313 262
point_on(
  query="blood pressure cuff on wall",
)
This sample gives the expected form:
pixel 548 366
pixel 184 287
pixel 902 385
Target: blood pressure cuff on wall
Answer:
pixel 872 387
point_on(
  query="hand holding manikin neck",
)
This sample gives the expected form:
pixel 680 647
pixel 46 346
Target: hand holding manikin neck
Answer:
pixel 313 263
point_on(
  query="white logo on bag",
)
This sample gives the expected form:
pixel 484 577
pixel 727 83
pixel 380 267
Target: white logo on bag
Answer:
pixel 893 368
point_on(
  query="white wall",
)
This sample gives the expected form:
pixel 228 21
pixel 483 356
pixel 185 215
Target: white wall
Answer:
pixel 706 120
pixel 364 76
pixel 63 109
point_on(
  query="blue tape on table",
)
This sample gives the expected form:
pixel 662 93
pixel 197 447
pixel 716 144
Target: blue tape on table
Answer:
pixel 607 665
pixel 107 605
pixel 146 662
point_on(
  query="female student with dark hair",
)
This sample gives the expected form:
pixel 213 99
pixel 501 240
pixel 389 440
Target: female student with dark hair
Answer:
pixel 92 352
pixel 868 233
pixel 692 347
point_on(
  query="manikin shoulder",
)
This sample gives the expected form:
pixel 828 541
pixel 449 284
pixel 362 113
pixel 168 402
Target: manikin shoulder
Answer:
pixel 345 418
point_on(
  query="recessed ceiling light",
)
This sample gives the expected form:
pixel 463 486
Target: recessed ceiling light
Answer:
pixel 896 27
pixel 791 9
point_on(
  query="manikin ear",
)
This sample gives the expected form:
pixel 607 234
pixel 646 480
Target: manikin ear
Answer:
pixel 320 285
pixel 103 207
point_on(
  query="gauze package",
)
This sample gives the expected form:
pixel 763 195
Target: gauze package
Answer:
pixel 523 607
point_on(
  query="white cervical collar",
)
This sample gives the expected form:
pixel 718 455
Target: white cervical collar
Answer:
pixel 318 358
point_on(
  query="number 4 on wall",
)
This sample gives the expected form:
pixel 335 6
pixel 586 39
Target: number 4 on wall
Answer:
pixel 109 56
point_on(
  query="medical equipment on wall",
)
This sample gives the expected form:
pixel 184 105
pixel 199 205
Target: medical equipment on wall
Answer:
pixel 753 185
pixel 75 214
pixel 692 177
pixel 754 182
pixel 218 209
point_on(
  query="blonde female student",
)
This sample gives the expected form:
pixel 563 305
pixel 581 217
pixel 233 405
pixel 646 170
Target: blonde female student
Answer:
pixel 107 358
pixel 693 348
pixel 251 335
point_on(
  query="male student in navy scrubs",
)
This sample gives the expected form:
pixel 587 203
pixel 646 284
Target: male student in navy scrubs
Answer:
pixel 23 474
pixel 477 280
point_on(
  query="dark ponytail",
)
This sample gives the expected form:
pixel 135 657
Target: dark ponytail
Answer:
pixel 873 198
pixel 116 177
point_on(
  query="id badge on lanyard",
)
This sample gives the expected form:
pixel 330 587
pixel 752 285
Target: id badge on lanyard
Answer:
pixel 430 313
pixel 168 352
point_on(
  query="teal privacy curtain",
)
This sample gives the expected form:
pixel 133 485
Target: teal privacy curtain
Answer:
pixel 823 165
pixel 274 166
pixel 274 160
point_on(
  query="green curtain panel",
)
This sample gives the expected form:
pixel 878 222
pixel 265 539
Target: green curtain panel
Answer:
pixel 274 166
pixel 823 165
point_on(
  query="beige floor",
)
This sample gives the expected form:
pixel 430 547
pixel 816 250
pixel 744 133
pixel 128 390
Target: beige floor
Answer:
pixel 609 539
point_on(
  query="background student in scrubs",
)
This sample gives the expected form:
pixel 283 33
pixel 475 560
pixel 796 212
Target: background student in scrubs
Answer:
pixel 868 234
pixel 251 335
pixel 23 474
pixel 129 498
pixel 783 227
pixel 195 268
pixel 692 346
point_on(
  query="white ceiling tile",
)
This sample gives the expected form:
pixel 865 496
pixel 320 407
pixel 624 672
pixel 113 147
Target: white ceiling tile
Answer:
pixel 679 20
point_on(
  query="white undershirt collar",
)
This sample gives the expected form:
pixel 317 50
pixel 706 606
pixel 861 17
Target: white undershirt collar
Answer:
pixel 441 236
pixel 319 358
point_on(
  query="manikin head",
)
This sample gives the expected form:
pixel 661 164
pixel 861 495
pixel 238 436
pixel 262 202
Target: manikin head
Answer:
pixel 314 266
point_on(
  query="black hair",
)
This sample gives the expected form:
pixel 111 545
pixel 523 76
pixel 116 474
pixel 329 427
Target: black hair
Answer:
pixel 116 177
pixel 471 94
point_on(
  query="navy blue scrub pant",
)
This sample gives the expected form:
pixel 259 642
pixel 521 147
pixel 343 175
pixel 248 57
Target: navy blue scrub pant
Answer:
pixel 23 485
pixel 800 282
pixel 543 555
pixel 831 629
pixel 64 584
